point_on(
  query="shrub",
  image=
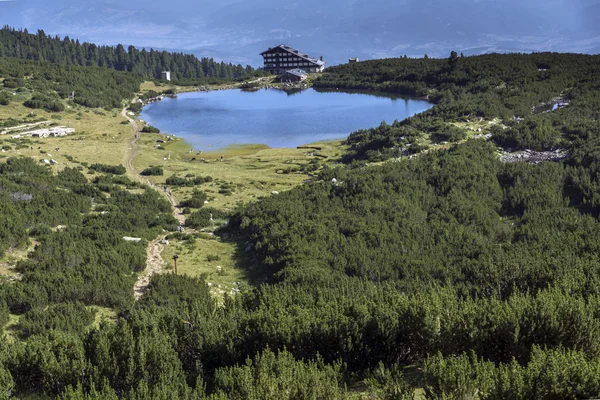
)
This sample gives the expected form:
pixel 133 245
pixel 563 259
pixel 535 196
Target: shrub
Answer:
pixel 200 180
pixel 45 102
pixel 4 99
pixel 152 171
pixel 109 169
pixel 201 218
pixel 135 107
pixel 65 317
pixel 150 129
pixel 196 201
pixel 3 314
pixel 462 377
pixel 13 83
pixel 280 376
pixel 175 180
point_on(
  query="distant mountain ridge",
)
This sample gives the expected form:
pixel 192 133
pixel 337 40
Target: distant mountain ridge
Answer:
pixel 237 31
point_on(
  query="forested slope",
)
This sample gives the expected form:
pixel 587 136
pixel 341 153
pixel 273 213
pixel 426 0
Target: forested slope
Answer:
pixel 512 88
pixel 51 84
pixel 147 64
pixel 452 272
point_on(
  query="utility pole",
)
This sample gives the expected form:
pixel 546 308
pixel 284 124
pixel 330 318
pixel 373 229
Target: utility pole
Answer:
pixel 175 257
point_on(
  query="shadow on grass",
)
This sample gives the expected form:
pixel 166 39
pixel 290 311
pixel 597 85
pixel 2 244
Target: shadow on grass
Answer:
pixel 246 259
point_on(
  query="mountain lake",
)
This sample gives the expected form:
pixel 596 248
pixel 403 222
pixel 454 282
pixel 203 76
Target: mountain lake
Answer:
pixel 218 119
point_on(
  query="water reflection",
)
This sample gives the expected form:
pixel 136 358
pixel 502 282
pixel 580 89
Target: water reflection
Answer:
pixel 273 117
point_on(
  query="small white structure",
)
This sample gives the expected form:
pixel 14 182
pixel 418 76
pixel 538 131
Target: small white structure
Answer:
pixel 56 131
pixel 165 75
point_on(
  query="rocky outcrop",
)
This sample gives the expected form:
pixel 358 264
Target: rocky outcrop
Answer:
pixel 534 157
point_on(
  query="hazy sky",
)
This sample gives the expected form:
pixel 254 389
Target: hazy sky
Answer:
pixel 238 30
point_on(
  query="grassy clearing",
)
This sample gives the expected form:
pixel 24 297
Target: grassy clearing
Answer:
pixel 103 314
pixel 99 135
pixel 163 87
pixel 7 271
pixel 10 259
pixel 9 330
pixel 210 258
pixel 245 174
pixel 249 172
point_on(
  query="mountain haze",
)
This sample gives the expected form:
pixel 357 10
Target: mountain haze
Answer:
pixel 237 31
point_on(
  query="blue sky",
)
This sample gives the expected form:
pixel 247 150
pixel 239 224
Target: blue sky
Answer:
pixel 337 29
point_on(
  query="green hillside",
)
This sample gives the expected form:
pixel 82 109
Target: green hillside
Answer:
pixel 146 63
pixel 423 265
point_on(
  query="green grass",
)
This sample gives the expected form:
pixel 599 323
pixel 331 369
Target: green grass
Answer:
pixel 10 259
pixel 99 135
pixel 248 172
pixel 9 328
pixel 103 313
pixel 251 170
pixel 203 258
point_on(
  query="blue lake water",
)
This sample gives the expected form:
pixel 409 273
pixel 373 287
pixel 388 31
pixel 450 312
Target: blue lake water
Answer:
pixel 217 119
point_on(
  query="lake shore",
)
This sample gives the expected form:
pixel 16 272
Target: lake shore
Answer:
pixel 211 121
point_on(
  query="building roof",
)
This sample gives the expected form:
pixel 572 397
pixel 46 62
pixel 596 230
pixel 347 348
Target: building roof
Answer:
pixel 297 72
pixel 296 53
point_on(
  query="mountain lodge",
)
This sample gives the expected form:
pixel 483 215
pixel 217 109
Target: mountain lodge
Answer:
pixel 278 60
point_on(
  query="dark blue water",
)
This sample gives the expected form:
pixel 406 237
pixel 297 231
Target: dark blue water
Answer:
pixel 218 119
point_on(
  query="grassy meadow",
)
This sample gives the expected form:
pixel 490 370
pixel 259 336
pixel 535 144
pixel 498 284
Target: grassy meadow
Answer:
pixel 244 174
pixel 99 135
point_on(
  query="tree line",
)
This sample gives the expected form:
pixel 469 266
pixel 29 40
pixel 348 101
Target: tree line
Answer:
pixel 51 85
pixel 147 64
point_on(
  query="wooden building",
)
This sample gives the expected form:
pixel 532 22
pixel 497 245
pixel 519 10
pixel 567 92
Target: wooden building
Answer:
pixel 278 60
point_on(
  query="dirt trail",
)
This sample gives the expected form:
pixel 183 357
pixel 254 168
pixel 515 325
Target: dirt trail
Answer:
pixel 154 261
pixel 154 265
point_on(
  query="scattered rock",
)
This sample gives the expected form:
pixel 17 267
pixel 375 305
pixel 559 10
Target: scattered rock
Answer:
pixel 534 157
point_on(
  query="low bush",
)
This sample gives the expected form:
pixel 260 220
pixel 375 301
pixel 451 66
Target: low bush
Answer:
pixel 150 129
pixel 196 201
pixel 109 169
pixel 152 171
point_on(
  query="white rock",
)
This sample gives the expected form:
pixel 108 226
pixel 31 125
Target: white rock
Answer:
pixel 131 239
